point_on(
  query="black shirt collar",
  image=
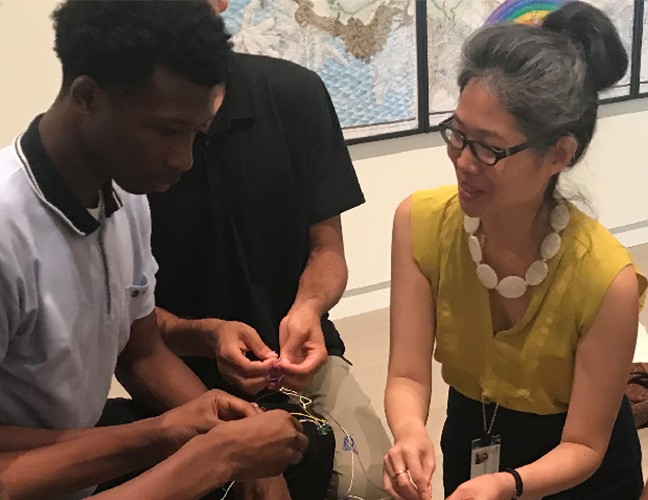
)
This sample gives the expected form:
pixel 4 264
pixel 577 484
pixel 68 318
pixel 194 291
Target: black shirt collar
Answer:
pixel 51 188
pixel 237 105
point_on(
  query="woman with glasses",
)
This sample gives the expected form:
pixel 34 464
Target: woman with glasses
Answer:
pixel 530 305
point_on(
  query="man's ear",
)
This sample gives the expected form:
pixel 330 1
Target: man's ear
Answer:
pixel 84 93
pixel 219 6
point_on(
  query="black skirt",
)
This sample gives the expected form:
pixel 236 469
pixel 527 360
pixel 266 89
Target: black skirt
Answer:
pixel 527 436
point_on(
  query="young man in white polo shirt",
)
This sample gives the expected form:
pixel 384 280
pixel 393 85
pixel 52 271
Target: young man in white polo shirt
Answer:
pixel 77 277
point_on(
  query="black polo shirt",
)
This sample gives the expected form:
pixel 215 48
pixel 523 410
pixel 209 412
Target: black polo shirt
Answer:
pixel 232 237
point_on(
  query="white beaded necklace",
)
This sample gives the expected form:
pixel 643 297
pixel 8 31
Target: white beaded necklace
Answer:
pixel 514 287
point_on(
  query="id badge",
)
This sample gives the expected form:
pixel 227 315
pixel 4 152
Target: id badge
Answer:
pixel 485 456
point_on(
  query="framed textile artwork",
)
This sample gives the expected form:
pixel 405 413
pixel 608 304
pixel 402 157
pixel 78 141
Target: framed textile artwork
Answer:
pixel 391 65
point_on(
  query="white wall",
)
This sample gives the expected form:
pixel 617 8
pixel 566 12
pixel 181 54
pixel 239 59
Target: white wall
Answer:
pixel 30 76
pixel 614 174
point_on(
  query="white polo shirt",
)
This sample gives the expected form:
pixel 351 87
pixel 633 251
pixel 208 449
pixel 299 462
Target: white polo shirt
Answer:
pixel 70 288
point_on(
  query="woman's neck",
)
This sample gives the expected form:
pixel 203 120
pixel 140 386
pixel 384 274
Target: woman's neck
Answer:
pixel 520 231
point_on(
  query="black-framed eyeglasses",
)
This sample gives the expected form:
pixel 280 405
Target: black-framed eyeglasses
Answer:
pixel 486 154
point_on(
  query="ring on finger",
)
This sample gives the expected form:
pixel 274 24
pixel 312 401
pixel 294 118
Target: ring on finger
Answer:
pixel 397 473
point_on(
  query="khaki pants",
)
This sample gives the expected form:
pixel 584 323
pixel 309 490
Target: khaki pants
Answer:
pixel 337 396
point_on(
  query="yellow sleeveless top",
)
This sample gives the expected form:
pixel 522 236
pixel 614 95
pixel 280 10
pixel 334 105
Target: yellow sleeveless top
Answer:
pixel 529 367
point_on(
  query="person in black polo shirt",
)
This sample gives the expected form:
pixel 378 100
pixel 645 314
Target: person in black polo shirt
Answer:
pixel 249 244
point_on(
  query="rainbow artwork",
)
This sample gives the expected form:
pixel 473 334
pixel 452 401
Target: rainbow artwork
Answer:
pixel 523 11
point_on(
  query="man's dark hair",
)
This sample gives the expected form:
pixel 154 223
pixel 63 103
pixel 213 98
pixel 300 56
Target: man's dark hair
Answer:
pixel 120 43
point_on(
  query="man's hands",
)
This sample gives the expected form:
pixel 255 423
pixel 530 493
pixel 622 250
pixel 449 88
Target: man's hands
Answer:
pixel 203 413
pixel 303 350
pixel 231 341
pixel 246 450
pixel 261 446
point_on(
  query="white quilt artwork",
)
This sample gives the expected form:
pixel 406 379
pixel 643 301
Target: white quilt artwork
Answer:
pixel 450 22
pixel 364 50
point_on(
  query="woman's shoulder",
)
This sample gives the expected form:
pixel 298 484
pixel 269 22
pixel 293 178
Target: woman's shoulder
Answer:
pixel 592 243
pixel 435 199
pixel 434 205
pixel 597 258
pixel 436 219
pixel 597 254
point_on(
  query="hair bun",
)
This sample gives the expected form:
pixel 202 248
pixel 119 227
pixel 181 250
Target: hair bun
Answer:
pixel 593 31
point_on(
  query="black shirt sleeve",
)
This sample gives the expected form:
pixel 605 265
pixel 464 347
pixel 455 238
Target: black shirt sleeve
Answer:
pixel 331 182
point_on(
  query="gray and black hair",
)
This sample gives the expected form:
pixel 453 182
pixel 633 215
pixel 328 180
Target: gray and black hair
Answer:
pixel 548 76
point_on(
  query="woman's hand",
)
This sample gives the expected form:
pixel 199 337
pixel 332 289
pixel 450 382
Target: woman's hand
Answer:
pixel 408 467
pixel 498 486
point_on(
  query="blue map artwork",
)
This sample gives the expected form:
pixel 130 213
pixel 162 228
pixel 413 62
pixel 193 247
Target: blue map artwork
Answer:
pixel 364 51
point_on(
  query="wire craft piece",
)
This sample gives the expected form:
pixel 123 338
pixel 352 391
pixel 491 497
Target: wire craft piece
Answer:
pixel 276 375
pixel 323 427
